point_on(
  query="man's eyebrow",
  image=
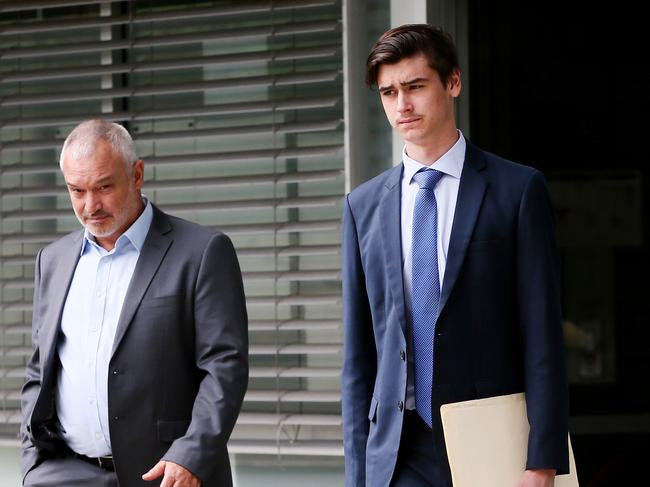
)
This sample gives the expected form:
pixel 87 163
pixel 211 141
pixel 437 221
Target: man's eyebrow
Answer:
pixel 414 80
pixel 404 83
pixel 102 181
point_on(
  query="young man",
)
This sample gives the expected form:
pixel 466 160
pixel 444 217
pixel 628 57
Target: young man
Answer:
pixel 450 283
pixel 140 335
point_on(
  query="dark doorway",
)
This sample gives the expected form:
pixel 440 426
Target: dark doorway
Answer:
pixel 564 87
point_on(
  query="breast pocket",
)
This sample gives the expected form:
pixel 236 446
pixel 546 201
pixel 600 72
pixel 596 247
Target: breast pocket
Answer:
pixel 487 259
pixel 162 301
pixel 486 245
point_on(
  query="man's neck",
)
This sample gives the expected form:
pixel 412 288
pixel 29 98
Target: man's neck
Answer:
pixel 433 150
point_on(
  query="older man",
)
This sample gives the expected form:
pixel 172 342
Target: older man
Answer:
pixel 139 334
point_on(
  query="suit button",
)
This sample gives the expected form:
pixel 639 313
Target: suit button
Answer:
pixel 400 406
pixel 402 355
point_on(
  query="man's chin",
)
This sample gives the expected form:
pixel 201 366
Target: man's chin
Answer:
pixel 99 231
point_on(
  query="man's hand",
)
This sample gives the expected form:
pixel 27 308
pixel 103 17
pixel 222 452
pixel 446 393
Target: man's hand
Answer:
pixel 539 477
pixel 174 475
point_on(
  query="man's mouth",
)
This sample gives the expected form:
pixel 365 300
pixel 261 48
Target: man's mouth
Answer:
pixel 97 218
pixel 408 121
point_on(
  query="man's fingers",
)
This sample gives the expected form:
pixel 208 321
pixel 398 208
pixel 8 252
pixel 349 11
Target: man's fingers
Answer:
pixel 168 481
pixel 173 475
pixel 155 472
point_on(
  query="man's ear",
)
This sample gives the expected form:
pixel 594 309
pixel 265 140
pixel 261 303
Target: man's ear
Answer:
pixel 138 173
pixel 454 84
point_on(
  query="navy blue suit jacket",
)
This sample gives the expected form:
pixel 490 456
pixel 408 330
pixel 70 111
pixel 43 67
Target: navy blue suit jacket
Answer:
pixel 499 330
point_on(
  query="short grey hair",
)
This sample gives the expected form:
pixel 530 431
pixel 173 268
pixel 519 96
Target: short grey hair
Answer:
pixel 83 139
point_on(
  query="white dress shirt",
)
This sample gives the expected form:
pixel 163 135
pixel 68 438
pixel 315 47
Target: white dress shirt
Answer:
pixel 90 315
pixel 446 192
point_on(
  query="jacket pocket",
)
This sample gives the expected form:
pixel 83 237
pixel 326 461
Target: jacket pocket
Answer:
pixel 162 301
pixel 170 430
pixel 483 245
pixel 372 413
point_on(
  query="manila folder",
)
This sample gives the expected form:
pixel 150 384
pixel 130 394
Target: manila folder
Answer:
pixel 487 442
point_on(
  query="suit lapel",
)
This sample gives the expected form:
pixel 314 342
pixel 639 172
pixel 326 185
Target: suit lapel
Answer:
pixel 390 222
pixel 470 197
pixel 62 278
pixel 152 253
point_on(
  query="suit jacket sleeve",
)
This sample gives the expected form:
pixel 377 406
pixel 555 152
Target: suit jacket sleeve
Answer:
pixel 545 374
pixel 221 343
pixel 359 354
pixel 32 386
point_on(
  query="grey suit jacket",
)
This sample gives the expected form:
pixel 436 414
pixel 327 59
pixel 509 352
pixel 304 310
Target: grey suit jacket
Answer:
pixel 179 368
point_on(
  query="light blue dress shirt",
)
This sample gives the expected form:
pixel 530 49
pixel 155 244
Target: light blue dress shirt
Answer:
pixel 446 192
pixel 90 315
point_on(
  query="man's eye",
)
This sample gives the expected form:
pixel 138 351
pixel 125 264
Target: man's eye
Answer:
pixel 387 93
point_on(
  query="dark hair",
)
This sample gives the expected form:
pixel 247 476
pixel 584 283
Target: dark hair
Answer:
pixel 410 40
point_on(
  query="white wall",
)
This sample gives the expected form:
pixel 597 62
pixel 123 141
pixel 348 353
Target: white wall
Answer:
pixel 9 466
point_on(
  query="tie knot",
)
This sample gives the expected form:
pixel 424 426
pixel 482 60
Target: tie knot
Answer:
pixel 427 178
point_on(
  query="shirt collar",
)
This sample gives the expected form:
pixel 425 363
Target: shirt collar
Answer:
pixel 135 234
pixel 451 162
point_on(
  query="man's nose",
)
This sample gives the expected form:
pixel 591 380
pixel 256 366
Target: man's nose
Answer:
pixel 403 102
pixel 93 203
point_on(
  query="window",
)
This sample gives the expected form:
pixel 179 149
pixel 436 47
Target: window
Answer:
pixel 236 108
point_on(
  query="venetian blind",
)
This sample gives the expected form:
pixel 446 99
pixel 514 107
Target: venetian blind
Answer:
pixel 236 108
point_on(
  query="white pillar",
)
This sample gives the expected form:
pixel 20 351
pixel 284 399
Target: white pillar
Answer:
pixel 355 107
pixel 405 12
pixel 451 15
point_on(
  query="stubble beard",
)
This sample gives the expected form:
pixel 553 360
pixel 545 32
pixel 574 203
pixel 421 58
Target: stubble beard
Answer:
pixel 114 221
